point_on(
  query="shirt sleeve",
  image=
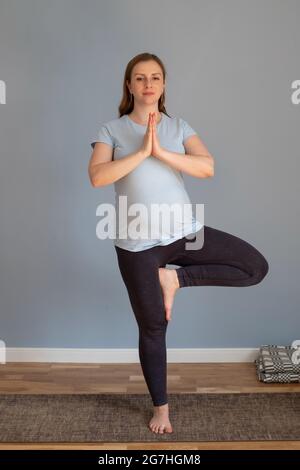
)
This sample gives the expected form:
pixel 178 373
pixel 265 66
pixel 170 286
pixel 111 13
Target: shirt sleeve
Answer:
pixel 103 136
pixel 187 130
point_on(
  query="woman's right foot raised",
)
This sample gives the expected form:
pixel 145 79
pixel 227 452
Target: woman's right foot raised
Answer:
pixel 170 284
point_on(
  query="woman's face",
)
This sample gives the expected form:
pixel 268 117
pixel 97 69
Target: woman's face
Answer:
pixel 146 77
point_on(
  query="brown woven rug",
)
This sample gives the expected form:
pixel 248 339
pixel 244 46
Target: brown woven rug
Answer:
pixel 125 417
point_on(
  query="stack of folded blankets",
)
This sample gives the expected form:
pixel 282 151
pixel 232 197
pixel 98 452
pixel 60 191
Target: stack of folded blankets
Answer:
pixel 275 364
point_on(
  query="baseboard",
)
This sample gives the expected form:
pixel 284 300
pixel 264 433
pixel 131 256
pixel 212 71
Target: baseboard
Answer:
pixel 112 356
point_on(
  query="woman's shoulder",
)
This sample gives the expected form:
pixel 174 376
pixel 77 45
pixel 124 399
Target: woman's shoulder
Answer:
pixel 177 120
pixel 114 122
pixel 171 120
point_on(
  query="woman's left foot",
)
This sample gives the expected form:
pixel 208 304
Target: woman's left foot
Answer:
pixel 169 284
pixel 160 422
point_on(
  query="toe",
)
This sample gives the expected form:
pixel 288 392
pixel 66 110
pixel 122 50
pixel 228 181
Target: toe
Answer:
pixel 161 429
pixel 151 425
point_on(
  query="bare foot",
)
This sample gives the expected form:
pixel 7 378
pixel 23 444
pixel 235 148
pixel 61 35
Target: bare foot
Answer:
pixel 169 284
pixel 160 423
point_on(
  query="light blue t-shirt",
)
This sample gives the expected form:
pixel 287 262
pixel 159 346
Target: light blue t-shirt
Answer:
pixel 151 182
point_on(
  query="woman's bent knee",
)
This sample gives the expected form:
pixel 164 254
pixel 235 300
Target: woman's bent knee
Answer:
pixel 260 271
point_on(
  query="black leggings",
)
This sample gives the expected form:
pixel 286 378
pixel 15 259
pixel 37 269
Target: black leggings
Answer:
pixel 223 260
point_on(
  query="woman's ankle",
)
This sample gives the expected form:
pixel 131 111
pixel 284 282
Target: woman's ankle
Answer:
pixel 161 408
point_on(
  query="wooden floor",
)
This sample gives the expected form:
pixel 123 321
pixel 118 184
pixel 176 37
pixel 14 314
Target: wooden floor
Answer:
pixel 127 378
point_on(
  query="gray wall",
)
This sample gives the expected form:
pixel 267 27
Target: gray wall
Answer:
pixel 230 67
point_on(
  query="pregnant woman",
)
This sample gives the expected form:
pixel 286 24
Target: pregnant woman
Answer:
pixel 143 152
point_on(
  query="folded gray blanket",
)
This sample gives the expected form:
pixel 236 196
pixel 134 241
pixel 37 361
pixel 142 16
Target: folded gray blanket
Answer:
pixel 274 364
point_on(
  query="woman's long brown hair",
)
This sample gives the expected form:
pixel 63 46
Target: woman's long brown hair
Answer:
pixel 127 102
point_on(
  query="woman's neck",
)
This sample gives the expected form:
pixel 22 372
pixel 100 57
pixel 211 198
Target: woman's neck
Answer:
pixel 142 120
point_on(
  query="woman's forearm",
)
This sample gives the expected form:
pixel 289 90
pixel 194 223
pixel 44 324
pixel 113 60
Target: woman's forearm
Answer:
pixel 106 173
pixel 200 166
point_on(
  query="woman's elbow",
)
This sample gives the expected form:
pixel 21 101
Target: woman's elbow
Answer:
pixel 211 171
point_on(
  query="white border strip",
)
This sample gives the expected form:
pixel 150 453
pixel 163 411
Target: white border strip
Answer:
pixel 112 356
